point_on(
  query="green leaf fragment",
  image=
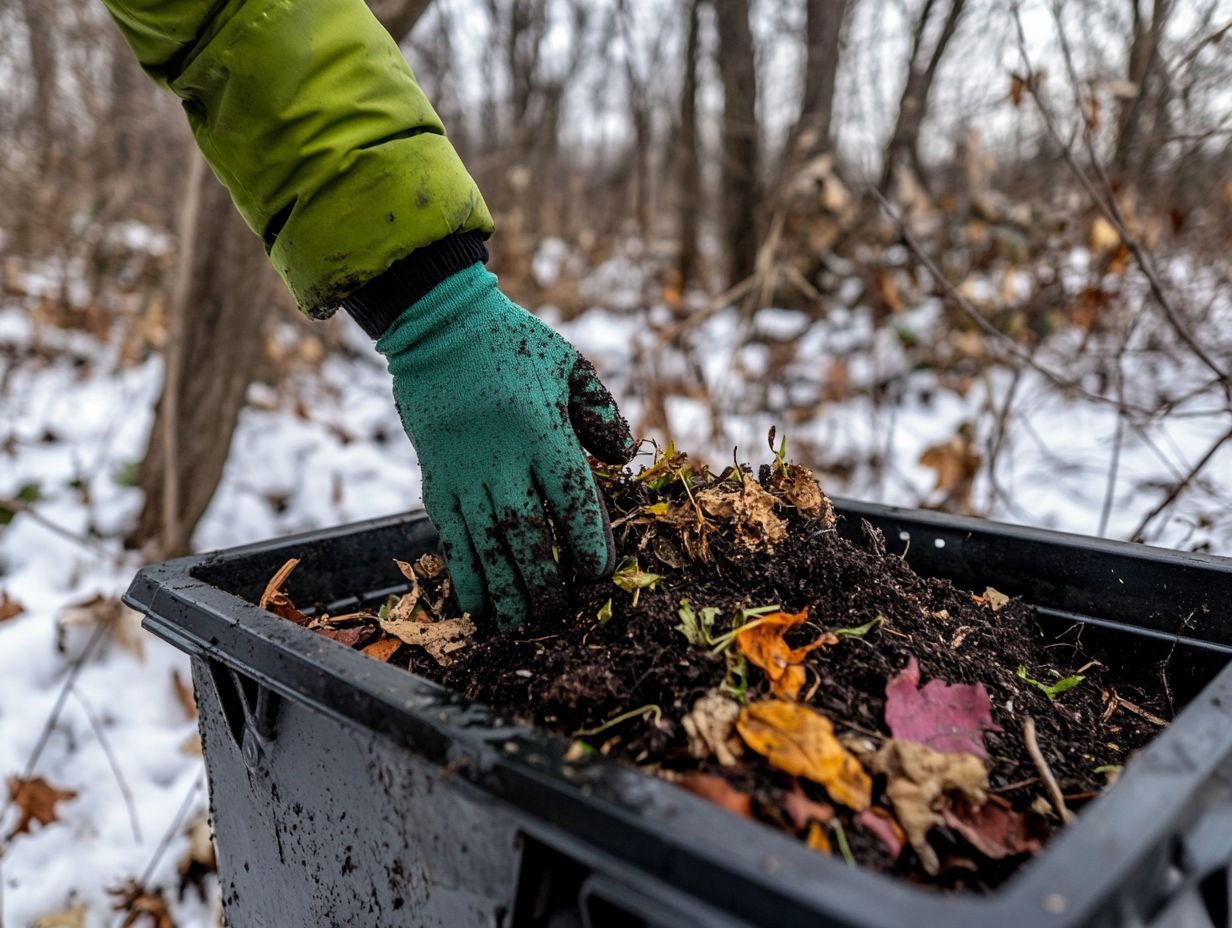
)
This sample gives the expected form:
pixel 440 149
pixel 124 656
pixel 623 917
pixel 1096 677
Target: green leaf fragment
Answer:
pixel 631 578
pixel 697 625
pixel 860 630
pixel 605 613
pixel 1051 690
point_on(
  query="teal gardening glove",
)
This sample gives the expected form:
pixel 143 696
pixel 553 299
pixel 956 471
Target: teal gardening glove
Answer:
pixel 499 407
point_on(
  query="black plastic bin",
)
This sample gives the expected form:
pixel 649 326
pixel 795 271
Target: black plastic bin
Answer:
pixel 348 792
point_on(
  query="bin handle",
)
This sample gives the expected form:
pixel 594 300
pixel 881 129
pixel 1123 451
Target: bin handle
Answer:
pixel 251 711
pixel 603 898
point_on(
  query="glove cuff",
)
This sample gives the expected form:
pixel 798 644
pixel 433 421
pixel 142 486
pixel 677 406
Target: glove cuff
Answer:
pixel 380 301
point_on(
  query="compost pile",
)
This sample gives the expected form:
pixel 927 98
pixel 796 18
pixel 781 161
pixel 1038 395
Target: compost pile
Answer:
pixel 747 652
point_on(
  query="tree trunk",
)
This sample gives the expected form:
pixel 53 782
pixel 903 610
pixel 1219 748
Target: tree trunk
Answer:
pixel 1144 61
pixel 740 160
pixel 688 157
pixel 216 340
pixel 823 31
pixel 904 147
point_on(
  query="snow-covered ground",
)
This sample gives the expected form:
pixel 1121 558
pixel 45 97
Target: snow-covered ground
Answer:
pixel 74 420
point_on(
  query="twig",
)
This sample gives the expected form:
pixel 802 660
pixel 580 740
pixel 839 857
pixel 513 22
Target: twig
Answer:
pixel 1011 346
pixel 1045 772
pixel 1107 204
pixel 1180 486
pixel 111 762
pixel 623 717
pixel 94 547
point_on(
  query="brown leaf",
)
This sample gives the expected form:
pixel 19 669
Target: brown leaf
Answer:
pixel 799 741
pixel 440 639
pixel 276 601
pixel 995 599
pixel 878 822
pixel 184 695
pixel 122 625
pixel 719 791
pixel 36 801
pixel 199 861
pixel 70 918
pixel 763 644
pixel 351 637
pixel 750 509
pixel 9 607
pixel 711 725
pixel 141 906
pixel 797 485
pixel 919 783
pixel 429 566
pixel 383 648
pixel 994 829
pixel 956 465
pixel 802 810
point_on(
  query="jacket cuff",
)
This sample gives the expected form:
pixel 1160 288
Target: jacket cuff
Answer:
pixel 381 300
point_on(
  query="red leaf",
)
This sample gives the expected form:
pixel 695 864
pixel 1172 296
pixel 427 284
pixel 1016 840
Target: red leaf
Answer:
pixel 950 718
pixel 351 637
pixel 719 791
pixel 880 823
pixel 802 810
pixel 994 830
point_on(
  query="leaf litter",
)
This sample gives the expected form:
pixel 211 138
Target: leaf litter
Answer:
pixel 807 715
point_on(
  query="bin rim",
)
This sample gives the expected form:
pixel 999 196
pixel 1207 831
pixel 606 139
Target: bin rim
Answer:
pixel 655 826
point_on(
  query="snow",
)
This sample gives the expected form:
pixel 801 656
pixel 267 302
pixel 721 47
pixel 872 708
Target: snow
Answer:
pixel 75 418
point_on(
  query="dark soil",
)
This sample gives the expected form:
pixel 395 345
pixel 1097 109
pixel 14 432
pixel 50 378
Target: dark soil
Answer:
pixel 574 673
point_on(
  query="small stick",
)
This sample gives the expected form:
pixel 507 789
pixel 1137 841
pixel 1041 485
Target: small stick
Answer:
pixel 1050 782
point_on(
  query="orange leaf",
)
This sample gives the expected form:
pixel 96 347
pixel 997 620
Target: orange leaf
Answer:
pixel 799 741
pixel 9 607
pixel 719 791
pixel 36 801
pixel 384 648
pixel 278 602
pixel 762 643
pixel 817 839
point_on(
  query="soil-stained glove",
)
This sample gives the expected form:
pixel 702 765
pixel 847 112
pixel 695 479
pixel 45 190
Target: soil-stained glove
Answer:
pixel 499 407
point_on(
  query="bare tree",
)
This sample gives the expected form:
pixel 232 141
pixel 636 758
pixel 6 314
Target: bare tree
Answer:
pixel 688 158
pixel 922 66
pixel 741 142
pixel 824 22
pixel 1143 72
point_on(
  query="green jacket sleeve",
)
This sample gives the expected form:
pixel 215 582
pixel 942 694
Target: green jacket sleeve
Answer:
pixel 309 114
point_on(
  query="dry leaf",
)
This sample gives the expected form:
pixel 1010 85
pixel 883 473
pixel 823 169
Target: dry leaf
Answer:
pixel 71 918
pixel 711 725
pixel 797 485
pixel 440 639
pixel 429 566
pixel 123 625
pixel 817 839
pixel 995 599
pixel 141 906
pixel 276 601
pixel 750 509
pixel 383 648
pixel 351 637
pixel 799 741
pixel 994 829
pixel 199 861
pixel 184 695
pixel 802 810
pixel 719 791
pixel 956 464
pixel 762 643
pixel 879 823
pixel 36 801
pixel 9 607
pixel 919 782
pixel 950 718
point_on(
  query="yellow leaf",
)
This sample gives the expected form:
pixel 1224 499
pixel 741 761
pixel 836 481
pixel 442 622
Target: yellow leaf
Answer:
pixel 1103 236
pixel 801 742
pixel 762 643
pixel 817 838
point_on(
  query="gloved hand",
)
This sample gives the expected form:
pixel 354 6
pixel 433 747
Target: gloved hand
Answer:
pixel 498 407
